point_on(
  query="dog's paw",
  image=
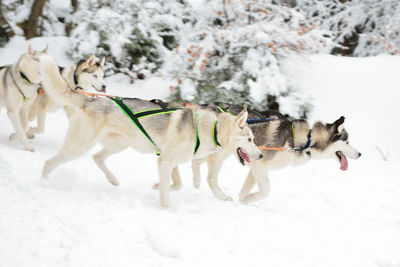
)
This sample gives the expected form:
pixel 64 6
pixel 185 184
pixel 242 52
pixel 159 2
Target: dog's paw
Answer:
pixel 12 137
pixel 173 187
pixel 113 181
pixel 156 186
pixel 222 196
pixel 165 204
pixel 30 149
pixel 196 184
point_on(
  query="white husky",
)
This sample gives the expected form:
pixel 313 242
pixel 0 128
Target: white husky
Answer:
pixel 179 135
pixel 85 75
pixel 19 86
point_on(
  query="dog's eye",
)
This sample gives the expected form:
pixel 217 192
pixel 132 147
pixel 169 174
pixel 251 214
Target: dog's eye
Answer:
pixel 94 75
pixel 249 139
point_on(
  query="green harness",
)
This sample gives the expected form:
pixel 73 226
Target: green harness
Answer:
pixel 147 113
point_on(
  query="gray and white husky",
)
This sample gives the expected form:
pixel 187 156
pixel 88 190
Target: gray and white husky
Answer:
pixel 173 134
pixel 19 84
pixel 85 75
pixel 283 142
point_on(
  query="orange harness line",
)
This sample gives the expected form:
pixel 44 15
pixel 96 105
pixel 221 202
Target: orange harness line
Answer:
pixel 271 148
pixel 95 94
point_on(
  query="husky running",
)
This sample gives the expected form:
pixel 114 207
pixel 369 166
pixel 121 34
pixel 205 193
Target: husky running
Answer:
pixel 85 75
pixel 19 84
pixel 282 142
pixel 177 135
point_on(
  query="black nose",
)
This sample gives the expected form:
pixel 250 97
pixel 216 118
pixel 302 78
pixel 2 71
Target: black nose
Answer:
pixel 103 87
pixel 359 154
pixel 261 156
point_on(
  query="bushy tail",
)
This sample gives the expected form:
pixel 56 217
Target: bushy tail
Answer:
pixel 55 86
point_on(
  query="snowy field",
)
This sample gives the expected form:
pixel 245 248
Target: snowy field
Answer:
pixel 316 215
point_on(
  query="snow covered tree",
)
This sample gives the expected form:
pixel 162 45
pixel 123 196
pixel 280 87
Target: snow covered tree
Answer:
pixel 233 54
pixel 360 27
pixel 133 35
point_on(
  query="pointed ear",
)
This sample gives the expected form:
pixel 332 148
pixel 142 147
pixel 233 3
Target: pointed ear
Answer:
pixel 241 118
pixel 103 60
pixel 338 125
pixel 31 51
pixel 45 49
pixel 92 60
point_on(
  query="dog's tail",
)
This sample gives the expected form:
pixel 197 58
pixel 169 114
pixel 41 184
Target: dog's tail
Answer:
pixel 55 86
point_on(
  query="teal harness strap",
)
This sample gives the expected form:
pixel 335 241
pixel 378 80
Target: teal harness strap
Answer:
pixel 215 135
pixel 146 113
pixel 224 109
pixel 197 145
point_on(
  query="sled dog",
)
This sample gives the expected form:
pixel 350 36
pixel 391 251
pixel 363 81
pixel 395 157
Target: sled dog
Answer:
pixel 282 142
pixel 85 75
pixel 178 135
pixel 19 84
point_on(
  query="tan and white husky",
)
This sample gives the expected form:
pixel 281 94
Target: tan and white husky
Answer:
pixel 178 135
pixel 85 75
pixel 19 84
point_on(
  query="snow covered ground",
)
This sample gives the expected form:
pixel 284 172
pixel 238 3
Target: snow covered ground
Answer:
pixel 316 215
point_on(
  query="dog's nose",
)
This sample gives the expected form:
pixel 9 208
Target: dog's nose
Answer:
pixel 359 154
pixel 261 156
pixel 103 87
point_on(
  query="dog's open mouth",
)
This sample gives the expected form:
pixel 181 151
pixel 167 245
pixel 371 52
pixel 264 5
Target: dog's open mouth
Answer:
pixel 243 156
pixel 344 164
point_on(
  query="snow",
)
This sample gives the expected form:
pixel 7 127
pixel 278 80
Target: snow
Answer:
pixel 316 215
pixel 364 90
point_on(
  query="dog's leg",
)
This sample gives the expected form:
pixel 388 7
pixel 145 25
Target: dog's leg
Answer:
pixel 19 131
pixel 76 143
pixel 101 156
pixel 41 118
pixel 24 122
pixel 196 163
pixel 164 171
pixel 260 174
pixel 176 181
pixel 247 186
pixel 214 162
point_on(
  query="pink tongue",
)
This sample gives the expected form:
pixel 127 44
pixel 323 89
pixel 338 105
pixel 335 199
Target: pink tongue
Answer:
pixel 246 157
pixel 344 164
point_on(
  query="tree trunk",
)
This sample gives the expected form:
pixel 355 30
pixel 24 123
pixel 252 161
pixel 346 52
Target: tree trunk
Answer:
pixel 36 12
pixel 75 5
pixel 5 27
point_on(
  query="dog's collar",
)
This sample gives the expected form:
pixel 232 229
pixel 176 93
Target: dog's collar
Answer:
pixel 307 145
pixel 215 133
pixel 19 89
pixel 24 77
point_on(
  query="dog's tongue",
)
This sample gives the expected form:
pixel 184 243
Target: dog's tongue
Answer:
pixel 344 164
pixel 245 156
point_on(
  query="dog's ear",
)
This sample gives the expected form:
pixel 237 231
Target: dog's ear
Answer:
pixel 103 60
pixel 31 51
pixel 338 125
pixel 241 118
pixel 92 60
pixel 46 49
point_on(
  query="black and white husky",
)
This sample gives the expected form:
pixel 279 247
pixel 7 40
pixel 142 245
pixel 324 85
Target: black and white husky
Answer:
pixel 282 142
